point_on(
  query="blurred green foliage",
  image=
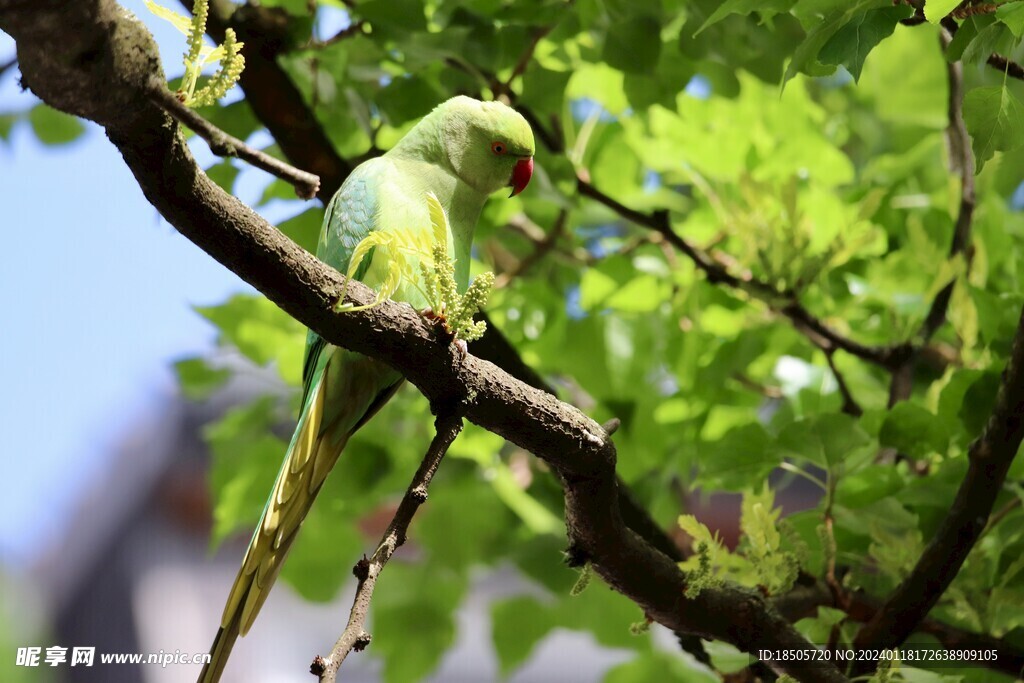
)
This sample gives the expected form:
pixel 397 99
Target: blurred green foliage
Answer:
pixel 802 143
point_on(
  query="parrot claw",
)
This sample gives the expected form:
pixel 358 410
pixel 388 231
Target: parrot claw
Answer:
pixel 460 344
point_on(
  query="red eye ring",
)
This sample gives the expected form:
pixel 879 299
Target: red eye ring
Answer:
pixel 498 147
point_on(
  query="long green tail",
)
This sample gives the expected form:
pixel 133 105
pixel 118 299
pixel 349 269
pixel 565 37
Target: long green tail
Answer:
pixel 349 390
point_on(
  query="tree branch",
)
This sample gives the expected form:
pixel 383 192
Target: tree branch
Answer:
pixel 541 248
pixel 803 601
pixel 1007 66
pixel 306 184
pixel 989 459
pixel 783 302
pixel 447 425
pixel 961 160
pixel 850 405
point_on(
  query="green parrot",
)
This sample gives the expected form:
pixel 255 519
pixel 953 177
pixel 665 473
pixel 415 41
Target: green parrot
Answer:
pixel 463 151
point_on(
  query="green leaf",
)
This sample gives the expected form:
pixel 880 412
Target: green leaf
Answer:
pixel 912 430
pixel 657 667
pixel 851 44
pixel 54 127
pixel 766 8
pixel 979 399
pixel 261 331
pixel 246 459
pixel 224 174
pixel 825 440
pixel 936 10
pixel 197 379
pixel 741 456
pixel 407 98
pixel 995 119
pixel 869 485
pixel 402 14
pixel 806 55
pixel 725 658
pixel 413 619
pixel 304 228
pixel 1012 14
pixel 235 119
pixel 995 37
pixel 325 549
pixel 517 625
pixel 633 45
pixel 544 88
pixel 533 514
pixel 457 540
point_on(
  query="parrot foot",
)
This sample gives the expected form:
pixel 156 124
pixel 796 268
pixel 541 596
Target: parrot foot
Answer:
pixel 429 314
pixel 460 344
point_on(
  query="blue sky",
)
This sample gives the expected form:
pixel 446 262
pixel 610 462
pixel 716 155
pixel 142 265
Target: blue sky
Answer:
pixel 97 294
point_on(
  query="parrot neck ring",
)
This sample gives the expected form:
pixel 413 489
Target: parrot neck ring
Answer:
pixel 521 174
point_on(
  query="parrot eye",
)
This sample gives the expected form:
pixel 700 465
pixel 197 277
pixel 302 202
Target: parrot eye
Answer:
pixel 498 147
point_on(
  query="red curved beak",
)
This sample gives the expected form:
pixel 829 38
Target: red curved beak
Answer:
pixel 521 174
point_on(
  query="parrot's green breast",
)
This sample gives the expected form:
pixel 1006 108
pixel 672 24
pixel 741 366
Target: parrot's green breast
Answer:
pixel 390 194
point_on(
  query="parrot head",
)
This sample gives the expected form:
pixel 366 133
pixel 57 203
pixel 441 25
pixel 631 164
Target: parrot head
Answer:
pixel 489 144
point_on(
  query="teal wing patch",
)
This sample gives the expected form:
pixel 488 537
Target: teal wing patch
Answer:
pixel 351 215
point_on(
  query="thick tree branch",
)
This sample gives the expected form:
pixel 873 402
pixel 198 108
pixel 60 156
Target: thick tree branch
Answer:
pixel 354 637
pixel 989 459
pixel 92 59
pixel 306 184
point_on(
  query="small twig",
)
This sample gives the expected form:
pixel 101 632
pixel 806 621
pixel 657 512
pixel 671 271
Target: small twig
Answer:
pixel 527 56
pixel 350 31
pixel 830 566
pixel 1007 66
pixel 784 302
pixel 962 161
pixel 224 145
pixel 552 140
pixel 850 405
pixel 8 65
pixel 354 637
pixel 765 390
pixel 541 249
pixel 1000 514
pixel 970 10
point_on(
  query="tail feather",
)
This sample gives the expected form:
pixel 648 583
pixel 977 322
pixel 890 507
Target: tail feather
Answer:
pixel 357 388
pixel 219 653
